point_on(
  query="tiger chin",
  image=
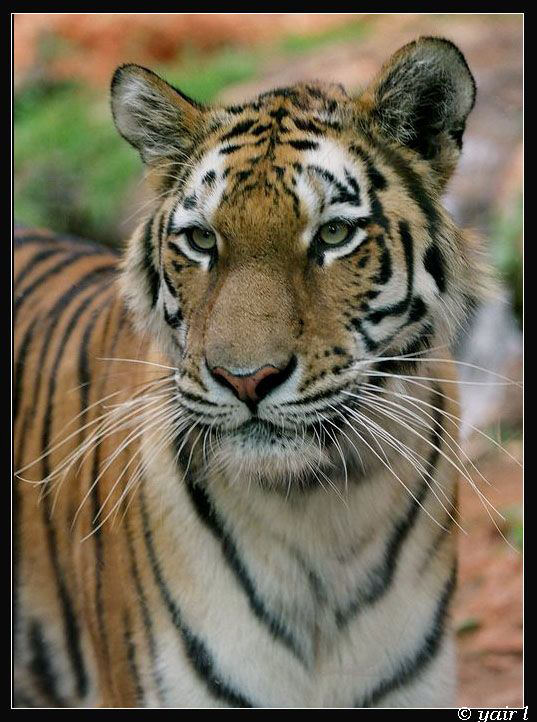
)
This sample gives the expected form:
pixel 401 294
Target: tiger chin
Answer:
pixel 236 440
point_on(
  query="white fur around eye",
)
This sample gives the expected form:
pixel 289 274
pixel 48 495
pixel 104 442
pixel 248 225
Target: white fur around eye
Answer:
pixel 331 254
pixel 315 194
pixel 203 258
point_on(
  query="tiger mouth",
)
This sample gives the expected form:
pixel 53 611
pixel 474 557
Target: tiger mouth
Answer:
pixel 262 430
pixel 266 433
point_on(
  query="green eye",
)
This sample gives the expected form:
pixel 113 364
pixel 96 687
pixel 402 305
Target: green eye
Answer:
pixel 202 239
pixel 334 233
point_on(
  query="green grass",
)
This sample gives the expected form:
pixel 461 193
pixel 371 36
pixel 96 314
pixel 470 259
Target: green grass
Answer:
pixel 72 169
pixel 506 244
pixel 299 44
pixel 71 165
pixel 203 78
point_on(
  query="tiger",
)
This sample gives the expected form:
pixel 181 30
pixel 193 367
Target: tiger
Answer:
pixel 235 439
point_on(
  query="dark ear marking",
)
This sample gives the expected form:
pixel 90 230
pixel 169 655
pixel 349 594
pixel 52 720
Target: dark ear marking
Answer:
pixel 434 264
pixel 422 99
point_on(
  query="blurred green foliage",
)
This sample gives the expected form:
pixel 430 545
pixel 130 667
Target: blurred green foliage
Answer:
pixel 352 30
pixel 71 166
pixel 514 526
pixel 506 244
pixel 202 78
pixel 73 171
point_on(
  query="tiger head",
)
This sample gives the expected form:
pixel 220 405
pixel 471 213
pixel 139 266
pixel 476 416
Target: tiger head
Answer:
pixel 296 240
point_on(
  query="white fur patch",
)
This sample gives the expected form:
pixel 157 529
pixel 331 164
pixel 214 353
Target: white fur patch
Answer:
pixel 208 197
pixel 314 192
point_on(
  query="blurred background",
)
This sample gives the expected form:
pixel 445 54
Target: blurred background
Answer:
pixel 73 173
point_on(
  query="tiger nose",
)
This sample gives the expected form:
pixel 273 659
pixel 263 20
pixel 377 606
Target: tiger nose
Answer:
pixel 252 388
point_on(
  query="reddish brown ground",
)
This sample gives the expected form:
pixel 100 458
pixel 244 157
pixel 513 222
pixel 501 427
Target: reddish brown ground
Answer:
pixel 114 38
pixel 490 592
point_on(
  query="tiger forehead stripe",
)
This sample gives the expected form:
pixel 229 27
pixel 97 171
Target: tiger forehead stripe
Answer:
pixel 267 137
pixel 201 194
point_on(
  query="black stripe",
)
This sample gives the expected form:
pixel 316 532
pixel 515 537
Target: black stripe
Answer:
pixel 413 185
pixel 53 316
pixel 161 222
pixel 28 291
pixel 144 608
pixel 260 129
pixel 302 144
pixel 200 399
pixel 208 515
pixel 147 262
pixel 35 261
pixel 417 310
pixel 417 345
pixel 84 379
pixel 238 129
pixel 434 264
pixel 131 659
pixel 23 238
pixel 95 502
pixel 310 399
pixel 209 178
pixel 399 308
pixel 167 280
pixel 231 149
pixel 173 319
pixel 377 180
pixel 442 534
pixel 196 650
pixel 99 558
pixel 20 366
pixel 385 271
pixel 17 517
pixel 370 343
pixel 190 202
pixel 308 126
pixel 342 194
pixel 411 667
pixel 72 632
pixel 41 666
pixel 381 576
pixel 378 183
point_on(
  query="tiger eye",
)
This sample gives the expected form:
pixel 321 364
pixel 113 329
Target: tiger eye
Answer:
pixel 203 239
pixel 334 233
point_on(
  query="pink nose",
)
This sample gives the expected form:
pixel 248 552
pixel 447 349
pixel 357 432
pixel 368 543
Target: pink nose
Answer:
pixel 248 387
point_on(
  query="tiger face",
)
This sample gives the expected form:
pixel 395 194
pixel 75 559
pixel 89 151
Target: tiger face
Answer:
pixel 298 250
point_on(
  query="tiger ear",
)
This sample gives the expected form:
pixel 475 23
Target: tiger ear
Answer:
pixel 421 99
pixel 153 116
